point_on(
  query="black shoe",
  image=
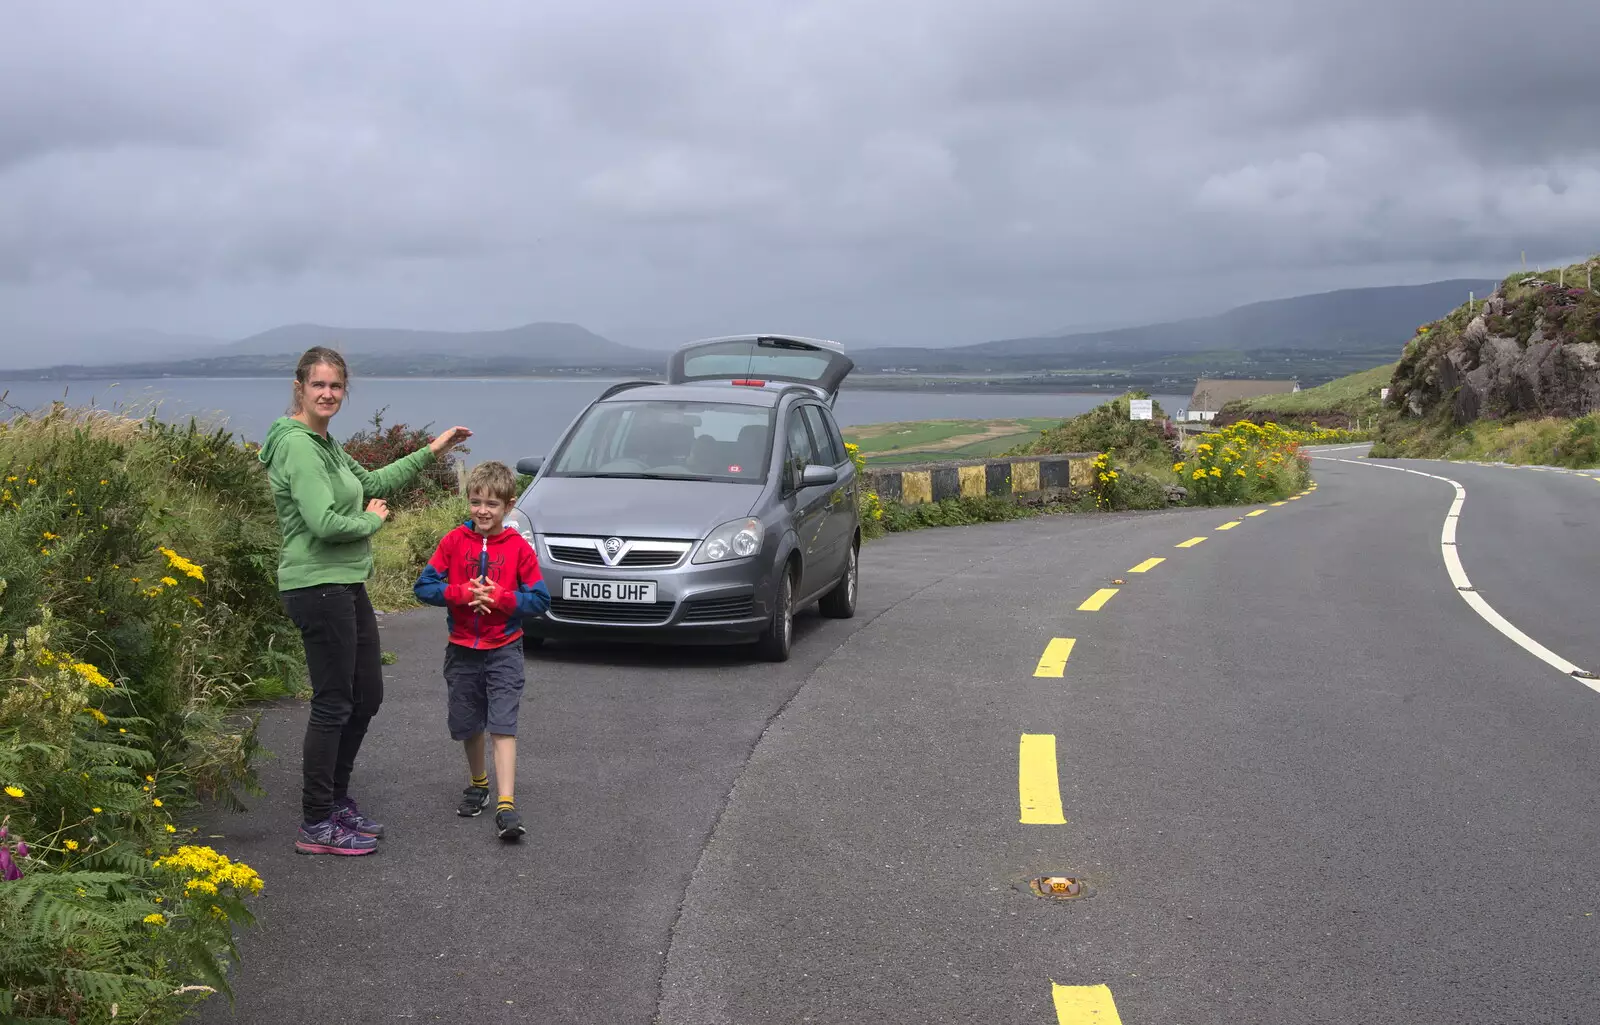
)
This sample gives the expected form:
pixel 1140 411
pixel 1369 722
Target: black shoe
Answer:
pixel 509 824
pixel 472 801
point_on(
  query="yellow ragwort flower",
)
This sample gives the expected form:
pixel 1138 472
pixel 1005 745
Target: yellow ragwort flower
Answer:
pixel 157 918
pixel 156 802
pixel 16 792
pixel 91 675
pixel 183 565
pixel 70 845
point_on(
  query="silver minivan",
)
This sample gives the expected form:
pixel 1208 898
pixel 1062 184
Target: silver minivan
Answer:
pixel 708 508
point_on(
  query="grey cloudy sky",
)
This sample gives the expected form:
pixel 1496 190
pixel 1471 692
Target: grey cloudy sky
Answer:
pixel 881 170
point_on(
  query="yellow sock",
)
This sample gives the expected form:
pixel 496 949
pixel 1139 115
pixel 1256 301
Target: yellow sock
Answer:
pixel 481 781
pixel 506 802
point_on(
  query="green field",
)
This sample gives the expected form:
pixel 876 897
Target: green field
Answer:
pixel 917 440
pixel 1356 394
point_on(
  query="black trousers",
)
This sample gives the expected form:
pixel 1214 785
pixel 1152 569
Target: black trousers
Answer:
pixel 345 664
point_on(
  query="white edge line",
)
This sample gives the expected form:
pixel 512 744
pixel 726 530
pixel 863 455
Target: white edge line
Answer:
pixel 1458 578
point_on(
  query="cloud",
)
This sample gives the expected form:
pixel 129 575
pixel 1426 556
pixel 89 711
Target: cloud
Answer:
pixel 897 170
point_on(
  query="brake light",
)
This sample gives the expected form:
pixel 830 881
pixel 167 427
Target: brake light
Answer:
pixel 750 382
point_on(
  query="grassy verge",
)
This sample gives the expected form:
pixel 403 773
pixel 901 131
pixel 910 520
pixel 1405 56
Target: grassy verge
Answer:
pixel 1538 441
pixel 1342 403
pixel 138 612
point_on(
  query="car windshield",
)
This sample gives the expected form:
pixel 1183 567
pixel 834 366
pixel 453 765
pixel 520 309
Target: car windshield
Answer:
pixel 672 440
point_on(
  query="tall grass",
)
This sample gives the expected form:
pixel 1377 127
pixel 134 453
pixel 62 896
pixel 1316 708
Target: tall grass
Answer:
pixel 1538 441
pixel 403 545
pixel 138 609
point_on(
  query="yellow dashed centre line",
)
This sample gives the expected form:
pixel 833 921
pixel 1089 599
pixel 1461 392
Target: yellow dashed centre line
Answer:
pixel 1097 601
pixel 1189 543
pixel 1294 498
pixel 1229 525
pixel 1054 660
pixel 1082 1005
pixel 1257 512
pixel 1276 504
pixel 1038 784
pixel 1147 565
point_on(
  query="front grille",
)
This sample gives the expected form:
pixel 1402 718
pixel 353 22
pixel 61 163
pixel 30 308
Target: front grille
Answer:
pixel 610 612
pixel 649 558
pixel 712 609
pixel 648 554
pixel 581 556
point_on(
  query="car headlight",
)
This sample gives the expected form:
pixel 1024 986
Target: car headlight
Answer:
pixel 519 523
pixel 736 539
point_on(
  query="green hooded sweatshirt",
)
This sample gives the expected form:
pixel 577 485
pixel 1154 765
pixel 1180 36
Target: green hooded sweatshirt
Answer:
pixel 321 494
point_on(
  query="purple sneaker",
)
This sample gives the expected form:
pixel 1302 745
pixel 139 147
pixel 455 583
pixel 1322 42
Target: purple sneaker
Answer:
pixel 329 837
pixel 346 814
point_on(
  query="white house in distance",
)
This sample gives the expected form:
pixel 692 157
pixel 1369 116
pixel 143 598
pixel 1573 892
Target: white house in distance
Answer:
pixel 1212 393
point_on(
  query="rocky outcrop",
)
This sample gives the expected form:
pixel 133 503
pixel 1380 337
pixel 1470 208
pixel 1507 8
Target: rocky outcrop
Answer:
pixel 1531 348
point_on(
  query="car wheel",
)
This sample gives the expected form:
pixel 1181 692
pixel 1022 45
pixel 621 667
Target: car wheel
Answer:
pixel 774 645
pixel 840 603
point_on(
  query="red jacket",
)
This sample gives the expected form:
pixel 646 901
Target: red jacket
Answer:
pixel 513 569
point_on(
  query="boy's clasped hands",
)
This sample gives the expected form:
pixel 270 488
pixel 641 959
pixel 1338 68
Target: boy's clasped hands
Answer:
pixel 483 593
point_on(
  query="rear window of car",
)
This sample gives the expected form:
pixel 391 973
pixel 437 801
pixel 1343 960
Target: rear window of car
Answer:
pixel 679 440
pixel 747 359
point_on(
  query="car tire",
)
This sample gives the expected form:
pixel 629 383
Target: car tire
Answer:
pixel 840 603
pixel 531 643
pixel 776 642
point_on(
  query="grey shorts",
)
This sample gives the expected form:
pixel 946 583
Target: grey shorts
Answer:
pixel 483 689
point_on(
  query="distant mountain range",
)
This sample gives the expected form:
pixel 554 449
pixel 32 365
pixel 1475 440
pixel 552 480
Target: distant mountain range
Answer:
pixel 1354 320
pixel 551 344
pixel 1349 320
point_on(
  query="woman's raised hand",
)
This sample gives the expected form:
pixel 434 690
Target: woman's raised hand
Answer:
pixel 449 440
pixel 380 507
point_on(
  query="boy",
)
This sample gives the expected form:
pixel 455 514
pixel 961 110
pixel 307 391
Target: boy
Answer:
pixel 487 578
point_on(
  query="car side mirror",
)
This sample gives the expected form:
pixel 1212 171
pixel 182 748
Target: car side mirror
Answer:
pixel 816 474
pixel 530 465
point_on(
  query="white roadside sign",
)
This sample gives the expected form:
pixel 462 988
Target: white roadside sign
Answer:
pixel 1141 409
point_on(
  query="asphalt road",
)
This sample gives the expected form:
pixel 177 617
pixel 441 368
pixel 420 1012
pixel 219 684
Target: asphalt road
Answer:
pixel 1303 780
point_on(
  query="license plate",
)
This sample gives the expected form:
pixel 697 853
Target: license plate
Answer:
pixel 641 592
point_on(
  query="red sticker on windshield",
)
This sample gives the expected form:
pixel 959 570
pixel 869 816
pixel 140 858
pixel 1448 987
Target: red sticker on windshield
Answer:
pixel 733 469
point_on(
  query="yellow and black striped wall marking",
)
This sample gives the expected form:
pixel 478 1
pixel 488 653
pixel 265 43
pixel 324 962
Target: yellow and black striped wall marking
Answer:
pixel 1018 476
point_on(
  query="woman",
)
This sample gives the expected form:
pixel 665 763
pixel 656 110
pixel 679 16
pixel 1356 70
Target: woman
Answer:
pixel 328 507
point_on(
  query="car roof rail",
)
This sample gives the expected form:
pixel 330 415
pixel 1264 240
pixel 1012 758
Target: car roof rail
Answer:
pixel 622 386
pixel 807 390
